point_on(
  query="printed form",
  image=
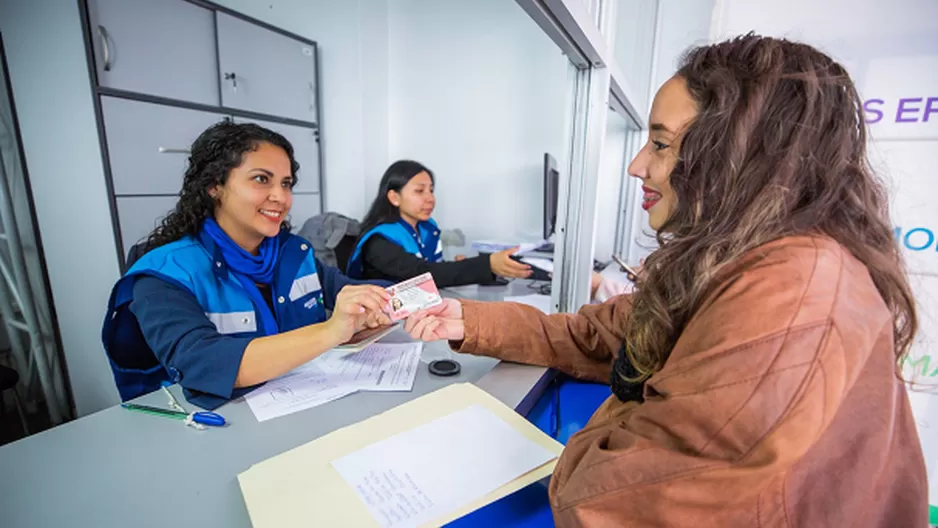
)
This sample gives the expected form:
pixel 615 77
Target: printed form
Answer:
pixel 379 367
pixel 420 474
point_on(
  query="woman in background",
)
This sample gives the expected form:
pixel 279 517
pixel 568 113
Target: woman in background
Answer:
pixel 400 240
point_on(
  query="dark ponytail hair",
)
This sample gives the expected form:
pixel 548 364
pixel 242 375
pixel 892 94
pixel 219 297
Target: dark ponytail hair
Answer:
pixel 213 155
pixel 395 178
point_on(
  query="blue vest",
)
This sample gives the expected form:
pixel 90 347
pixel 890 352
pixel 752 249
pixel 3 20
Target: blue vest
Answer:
pixel 423 243
pixel 196 265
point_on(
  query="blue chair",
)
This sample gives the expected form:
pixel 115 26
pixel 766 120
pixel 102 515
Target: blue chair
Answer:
pixel 561 411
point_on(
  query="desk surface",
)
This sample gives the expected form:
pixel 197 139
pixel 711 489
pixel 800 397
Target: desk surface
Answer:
pixel 118 468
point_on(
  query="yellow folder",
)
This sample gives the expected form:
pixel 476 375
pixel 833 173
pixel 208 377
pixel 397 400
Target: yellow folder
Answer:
pixel 301 488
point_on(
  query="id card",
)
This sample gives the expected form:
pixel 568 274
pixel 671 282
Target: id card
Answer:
pixel 413 295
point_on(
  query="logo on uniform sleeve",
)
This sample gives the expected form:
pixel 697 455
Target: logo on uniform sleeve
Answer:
pixel 304 285
pixel 312 302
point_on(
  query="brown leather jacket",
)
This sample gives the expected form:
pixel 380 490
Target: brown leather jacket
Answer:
pixel 778 406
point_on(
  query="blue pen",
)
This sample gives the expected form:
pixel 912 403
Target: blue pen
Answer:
pixel 205 418
pixel 202 417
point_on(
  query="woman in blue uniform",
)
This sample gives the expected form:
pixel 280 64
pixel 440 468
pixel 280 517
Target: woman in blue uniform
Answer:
pixel 225 297
pixel 400 240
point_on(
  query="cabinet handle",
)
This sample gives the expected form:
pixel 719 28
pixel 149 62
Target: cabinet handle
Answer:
pixel 105 47
pixel 165 150
pixel 234 81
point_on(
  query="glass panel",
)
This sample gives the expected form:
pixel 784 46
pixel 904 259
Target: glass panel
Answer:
pixel 612 177
pixel 479 94
pixel 634 46
pixel 27 336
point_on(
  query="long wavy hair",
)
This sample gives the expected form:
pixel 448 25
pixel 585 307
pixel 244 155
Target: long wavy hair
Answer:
pixel 778 148
pixel 394 179
pixel 213 155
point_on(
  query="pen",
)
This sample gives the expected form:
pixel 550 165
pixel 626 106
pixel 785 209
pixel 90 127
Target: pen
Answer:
pixel 203 417
pixel 631 274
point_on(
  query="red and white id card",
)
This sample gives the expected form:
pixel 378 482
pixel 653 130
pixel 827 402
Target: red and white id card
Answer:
pixel 413 295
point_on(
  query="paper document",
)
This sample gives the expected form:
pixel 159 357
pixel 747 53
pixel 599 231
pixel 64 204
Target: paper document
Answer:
pixel 489 246
pixel 302 487
pixel 541 302
pixel 404 483
pixel 302 388
pixel 379 367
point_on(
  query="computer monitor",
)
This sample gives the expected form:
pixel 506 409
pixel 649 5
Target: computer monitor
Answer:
pixel 551 186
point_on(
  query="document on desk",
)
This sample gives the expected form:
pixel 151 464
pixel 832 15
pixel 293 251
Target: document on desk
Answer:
pixel 403 483
pixel 379 367
pixel 539 301
pixel 304 487
pixel 302 388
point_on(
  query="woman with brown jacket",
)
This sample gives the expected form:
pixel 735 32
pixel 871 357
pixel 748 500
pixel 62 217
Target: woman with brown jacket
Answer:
pixel 755 369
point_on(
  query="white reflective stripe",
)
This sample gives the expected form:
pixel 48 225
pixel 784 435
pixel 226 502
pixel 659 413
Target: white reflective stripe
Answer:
pixel 233 322
pixel 304 285
pixel 439 246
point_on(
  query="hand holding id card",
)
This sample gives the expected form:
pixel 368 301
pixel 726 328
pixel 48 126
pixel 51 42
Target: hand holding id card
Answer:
pixel 413 295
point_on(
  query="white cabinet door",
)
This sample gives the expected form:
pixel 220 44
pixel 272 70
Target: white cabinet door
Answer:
pixel 139 215
pixel 156 47
pixel 264 71
pixel 148 144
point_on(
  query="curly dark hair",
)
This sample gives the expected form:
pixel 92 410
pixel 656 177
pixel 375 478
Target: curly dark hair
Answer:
pixel 213 155
pixel 778 148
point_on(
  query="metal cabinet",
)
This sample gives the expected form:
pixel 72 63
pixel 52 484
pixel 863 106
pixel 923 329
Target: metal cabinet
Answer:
pixel 164 48
pixel 164 71
pixel 148 144
pixel 140 215
pixel 264 71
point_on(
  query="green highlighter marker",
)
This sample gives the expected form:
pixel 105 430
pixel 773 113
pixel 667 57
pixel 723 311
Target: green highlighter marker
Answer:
pixel 203 417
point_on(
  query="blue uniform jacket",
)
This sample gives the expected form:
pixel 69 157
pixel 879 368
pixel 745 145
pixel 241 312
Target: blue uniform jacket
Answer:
pixel 178 315
pixel 423 243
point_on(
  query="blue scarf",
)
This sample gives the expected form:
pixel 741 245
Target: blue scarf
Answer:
pixel 249 269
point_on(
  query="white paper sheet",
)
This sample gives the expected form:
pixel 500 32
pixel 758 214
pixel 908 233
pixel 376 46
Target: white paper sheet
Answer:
pixel 541 302
pixel 302 388
pixel 337 373
pixel 420 474
pixel 491 246
pixel 379 367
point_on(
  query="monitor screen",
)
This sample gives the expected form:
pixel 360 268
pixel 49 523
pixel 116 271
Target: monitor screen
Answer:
pixel 551 184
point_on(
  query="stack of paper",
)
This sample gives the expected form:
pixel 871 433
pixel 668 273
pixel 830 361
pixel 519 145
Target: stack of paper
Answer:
pixel 379 367
pixel 491 246
pixel 423 463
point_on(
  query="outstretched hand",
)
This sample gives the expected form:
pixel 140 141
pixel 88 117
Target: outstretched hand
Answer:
pixel 444 321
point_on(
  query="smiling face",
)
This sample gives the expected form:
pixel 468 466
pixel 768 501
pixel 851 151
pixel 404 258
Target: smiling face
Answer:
pixel 671 112
pixel 416 199
pixel 256 197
